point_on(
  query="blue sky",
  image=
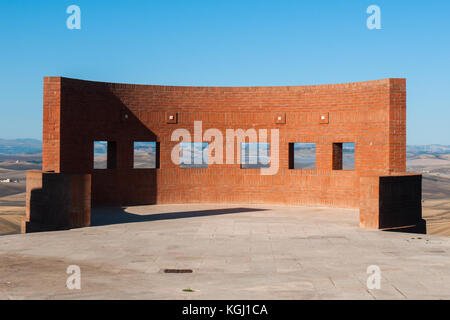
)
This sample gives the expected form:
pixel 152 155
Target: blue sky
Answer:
pixel 226 43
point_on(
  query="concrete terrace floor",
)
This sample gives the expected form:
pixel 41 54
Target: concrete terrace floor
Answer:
pixel 235 252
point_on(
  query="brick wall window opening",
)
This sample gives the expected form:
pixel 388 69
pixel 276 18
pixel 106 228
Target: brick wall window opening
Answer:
pixel 105 154
pixel 302 155
pixel 344 156
pixel 255 155
pixel 193 155
pixel 146 155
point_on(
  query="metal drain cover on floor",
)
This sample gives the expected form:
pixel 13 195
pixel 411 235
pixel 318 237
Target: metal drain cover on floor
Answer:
pixel 178 271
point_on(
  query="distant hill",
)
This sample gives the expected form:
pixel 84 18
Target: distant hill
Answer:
pixel 428 149
pixel 20 146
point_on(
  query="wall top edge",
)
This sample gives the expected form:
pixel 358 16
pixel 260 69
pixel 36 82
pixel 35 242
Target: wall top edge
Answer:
pixel 350 85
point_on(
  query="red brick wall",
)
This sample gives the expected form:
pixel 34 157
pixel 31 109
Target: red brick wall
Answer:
pixel 57 201
pixel 397 126
pixel 370 114
pixel 391 201
pixel 369 205
pixel 51 131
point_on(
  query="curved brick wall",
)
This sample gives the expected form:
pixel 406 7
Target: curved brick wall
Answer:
pixel 371 114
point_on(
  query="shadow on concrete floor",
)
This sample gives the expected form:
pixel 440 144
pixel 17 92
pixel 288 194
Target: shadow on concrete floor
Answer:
pixel 117 215
pixel 419 228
